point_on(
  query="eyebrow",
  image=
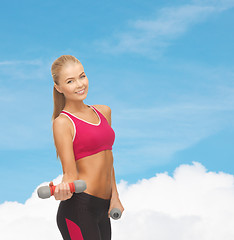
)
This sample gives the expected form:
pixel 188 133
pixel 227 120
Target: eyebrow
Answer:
pixel 73 77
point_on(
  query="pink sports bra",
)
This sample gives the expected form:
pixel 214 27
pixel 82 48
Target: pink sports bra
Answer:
pixel 90 138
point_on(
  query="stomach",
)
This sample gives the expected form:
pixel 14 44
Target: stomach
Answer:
pixel 96 171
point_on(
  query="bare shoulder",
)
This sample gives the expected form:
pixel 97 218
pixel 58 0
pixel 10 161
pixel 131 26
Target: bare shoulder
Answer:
pixel 104 108
pixel 105 111
pixel 62 122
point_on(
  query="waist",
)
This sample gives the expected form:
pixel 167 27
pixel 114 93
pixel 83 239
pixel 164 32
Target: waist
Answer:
pixel 94 203
pixel 97 186
pixel 96 171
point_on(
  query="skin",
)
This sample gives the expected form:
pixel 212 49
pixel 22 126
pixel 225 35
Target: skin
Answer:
pixel 97 169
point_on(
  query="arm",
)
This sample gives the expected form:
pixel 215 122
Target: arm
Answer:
pixel 115 201
pixel 114 191
pixel 64 145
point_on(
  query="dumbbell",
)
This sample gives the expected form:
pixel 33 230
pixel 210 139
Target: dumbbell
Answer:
pixel 115 213
pixel 47 191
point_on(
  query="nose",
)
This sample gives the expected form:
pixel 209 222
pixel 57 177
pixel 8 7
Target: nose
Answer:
pixel 78 83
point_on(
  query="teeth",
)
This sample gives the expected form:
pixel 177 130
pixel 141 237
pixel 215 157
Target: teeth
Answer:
pixel 80 91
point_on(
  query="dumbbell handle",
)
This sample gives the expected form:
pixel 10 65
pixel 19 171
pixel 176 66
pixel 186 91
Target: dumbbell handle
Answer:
pixel 71 186
pixel 47 191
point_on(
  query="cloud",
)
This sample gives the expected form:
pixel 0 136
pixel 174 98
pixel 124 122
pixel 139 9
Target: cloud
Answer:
pixel 192 204
pixel 151 36
pixel 36 219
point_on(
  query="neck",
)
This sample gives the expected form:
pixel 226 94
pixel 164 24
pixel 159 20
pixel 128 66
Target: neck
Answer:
pixel 76 106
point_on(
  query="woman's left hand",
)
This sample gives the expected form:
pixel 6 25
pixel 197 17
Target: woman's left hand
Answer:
pixel 115 203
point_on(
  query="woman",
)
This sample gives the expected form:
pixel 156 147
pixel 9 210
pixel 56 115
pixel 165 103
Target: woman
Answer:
pixel 83 138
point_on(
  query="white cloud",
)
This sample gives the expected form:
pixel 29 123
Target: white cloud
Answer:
pixel 150 36
pixel 193 204
pixel 33 220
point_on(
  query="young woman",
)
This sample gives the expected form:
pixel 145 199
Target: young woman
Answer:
pixel 83 138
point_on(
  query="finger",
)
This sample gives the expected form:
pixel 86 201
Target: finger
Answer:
pixel 66 190
pixel 62 190
pixel 56 191
pixel 67 187
pixel 69 191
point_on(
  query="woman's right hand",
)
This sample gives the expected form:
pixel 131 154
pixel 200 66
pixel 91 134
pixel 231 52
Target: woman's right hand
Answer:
pixel 62 191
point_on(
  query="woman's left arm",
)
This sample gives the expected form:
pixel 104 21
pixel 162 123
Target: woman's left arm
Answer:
pixel 115 201
pixel 114 191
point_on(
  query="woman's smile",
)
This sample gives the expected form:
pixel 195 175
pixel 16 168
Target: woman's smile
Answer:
pixel 80 92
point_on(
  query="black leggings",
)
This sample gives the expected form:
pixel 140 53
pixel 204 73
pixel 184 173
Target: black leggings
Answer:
pixel 84 217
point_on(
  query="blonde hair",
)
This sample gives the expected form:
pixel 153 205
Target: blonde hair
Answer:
pixel 59 99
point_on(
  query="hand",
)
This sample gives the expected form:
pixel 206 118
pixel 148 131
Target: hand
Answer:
pixel 62 191
pixel 115 203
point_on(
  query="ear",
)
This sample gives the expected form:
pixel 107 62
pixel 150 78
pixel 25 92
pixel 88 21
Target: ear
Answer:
pixel 57 87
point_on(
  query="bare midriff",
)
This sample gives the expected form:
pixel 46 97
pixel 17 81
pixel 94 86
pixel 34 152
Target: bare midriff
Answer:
pixel 96 171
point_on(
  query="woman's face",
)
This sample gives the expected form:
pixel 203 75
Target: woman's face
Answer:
pixel 72 79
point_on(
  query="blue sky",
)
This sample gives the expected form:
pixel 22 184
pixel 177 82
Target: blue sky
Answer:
pixel 165 69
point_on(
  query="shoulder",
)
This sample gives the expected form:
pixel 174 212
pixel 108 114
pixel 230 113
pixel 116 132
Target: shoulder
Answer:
pixel 105 111
pixel 61 120
pixel 62 123
pixel 103 108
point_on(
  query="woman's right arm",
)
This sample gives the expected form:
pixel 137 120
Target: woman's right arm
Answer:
pixel 64 145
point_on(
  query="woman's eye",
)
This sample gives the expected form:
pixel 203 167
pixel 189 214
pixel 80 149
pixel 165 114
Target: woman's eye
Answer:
pixel 81 77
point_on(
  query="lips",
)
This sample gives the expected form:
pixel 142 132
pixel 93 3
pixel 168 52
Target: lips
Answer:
pixel 80 92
